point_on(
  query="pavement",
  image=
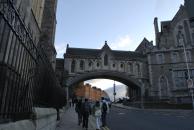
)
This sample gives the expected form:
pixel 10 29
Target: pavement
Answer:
pixel 69 121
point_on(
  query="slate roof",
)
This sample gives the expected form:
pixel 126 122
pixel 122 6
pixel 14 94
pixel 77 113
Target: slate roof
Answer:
pixel 82 52
pixel 95 53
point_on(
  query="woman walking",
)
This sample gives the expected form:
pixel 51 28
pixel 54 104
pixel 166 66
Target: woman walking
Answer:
pixel 97 114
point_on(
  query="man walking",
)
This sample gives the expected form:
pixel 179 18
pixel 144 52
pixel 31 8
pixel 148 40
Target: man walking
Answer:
pixel 105 109
pixel 78 110
pixel 86 111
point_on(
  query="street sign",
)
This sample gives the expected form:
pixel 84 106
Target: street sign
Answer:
pixel 190 83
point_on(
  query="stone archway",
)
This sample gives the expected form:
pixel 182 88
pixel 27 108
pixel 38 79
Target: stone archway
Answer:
pixel 134 84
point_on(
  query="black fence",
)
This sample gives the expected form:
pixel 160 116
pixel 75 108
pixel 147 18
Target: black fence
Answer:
pixel 26 75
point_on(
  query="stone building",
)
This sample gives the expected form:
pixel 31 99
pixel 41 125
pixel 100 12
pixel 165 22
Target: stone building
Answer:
pixel 167 60
pixel 161 70
pixel 24 64
pixel 82 91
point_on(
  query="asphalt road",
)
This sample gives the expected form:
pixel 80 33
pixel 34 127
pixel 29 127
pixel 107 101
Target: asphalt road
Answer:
pixel 123 119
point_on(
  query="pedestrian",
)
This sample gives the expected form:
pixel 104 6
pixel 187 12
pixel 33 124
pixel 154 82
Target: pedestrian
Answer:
pixel 104 109
pixel 70 102
pixel 97 114
pixel 86 111
pixel 78 110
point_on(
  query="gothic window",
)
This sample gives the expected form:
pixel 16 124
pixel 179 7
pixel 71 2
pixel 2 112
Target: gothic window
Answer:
pixel 163 87
pixel 90 64
pixel 98 64
pixel 160 58
pixel 81 65
pixel 138 69
pixel 188 55
pixel 106 59
pixel 187 32
pixel 180 39
pixel 174 57
pixel 113 65
pixel 121 65
pixel 73 63
pixel 130 67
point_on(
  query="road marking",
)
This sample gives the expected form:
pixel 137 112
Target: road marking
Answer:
pixel 105 128
pixel 121 113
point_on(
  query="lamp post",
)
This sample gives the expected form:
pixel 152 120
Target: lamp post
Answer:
pixel 189 80
pixel 114 91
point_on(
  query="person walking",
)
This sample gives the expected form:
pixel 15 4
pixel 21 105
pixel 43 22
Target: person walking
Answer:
pixel 78 110
pixel 86 111
pixel 97 114
pixel 104 108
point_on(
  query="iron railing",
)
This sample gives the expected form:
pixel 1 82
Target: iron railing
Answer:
pixel 26 75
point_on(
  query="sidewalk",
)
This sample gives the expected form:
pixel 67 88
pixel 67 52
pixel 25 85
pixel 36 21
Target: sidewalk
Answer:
pixel 69 121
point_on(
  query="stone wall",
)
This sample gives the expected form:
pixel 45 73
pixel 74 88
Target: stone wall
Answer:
pixel 44 119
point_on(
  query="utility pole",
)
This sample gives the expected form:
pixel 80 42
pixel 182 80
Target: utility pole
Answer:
pixel 114 91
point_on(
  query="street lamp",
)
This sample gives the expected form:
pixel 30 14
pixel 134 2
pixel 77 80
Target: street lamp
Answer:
pixel 189 80
pixel 114 91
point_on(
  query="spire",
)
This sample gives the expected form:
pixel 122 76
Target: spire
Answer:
pixel 105 42
pixel 105 47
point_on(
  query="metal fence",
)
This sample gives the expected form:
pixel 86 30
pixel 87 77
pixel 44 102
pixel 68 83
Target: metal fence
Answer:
pixel 26 75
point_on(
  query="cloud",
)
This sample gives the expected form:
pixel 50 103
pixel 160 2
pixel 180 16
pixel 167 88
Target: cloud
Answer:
pixel 60 48
pixel 102 83
pixel 123 43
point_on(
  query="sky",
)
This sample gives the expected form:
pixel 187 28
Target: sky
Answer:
pixel 122 23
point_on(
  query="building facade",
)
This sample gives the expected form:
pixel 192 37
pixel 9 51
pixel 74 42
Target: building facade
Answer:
pixel 24 65
pixel 83 91
pixel 168 59
pixel 163 69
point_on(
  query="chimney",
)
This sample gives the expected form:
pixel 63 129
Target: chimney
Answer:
pixel 156 30
pixel 156 25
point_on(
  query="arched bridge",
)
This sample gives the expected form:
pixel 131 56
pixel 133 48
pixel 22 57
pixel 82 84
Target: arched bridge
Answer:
pixel 114 75
pixel 126 67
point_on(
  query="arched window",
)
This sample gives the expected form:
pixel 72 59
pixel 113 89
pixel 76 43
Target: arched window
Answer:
pixel 138 69
pixel 106 59
pixel 113 65
pixel 81 65
pixel 97 64
pixel 164 93
pixel 90 64
pixel 121 65
pixel 180 39
pixel 130 68
pixel 73 63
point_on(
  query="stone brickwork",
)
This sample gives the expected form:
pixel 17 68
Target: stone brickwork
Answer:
pixel 48 27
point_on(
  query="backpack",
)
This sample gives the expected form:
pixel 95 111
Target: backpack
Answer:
pixel 86 107
pixel 104 107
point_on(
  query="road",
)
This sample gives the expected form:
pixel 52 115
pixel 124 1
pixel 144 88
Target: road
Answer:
pixel 123 119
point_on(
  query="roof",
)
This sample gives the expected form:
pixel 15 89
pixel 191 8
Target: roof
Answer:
pixel 82 52
pixel 96 53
